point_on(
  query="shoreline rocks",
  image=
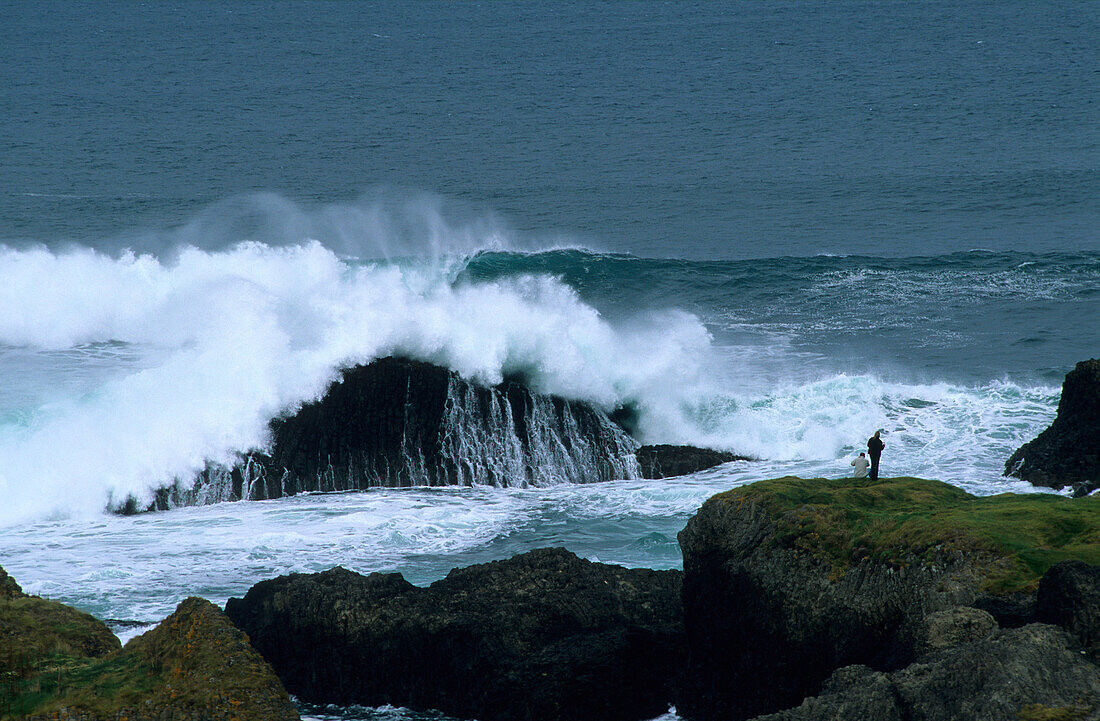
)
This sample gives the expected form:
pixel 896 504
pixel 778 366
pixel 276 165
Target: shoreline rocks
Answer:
pixel 665 461
pixel 787 581
pixel 1068 452
pixel 59 664
pixel 800 599
pixel 543 636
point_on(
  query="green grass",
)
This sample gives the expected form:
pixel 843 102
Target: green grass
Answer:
pixel 907 520
pixel 194 661
pixel 99 686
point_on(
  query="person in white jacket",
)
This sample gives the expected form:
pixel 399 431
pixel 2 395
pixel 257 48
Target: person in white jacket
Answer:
pixel 861 465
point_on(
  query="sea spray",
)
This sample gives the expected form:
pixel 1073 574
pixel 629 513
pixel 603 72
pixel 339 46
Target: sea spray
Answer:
pixel 397 422
pixel 230 339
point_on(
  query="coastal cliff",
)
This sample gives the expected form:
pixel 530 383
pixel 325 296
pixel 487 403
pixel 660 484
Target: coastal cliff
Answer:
pixel 788 581
pixel 1068 452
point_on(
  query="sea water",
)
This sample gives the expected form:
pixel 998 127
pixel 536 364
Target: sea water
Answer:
pixel 770 228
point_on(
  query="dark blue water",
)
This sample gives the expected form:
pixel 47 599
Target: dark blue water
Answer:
pixel 711 131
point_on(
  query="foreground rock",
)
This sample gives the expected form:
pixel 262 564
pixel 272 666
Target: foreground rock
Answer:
pixel 787 581
pixel 397 422
pixel 1068 452
pixel 58 663
pixel 543 636
pixel 1035 672
pixel 1069 596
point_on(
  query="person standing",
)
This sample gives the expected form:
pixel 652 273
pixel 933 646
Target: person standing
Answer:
pixel 874 450
pixel 860 465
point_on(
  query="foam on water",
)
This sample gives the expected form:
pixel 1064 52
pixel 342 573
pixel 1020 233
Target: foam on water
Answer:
pixel 231 338
pixel 176 361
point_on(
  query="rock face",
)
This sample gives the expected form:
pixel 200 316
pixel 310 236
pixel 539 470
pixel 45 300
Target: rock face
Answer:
pixel 665 461
pixel 1068 452
pixel 543 636
pixel 1069 596
pixel 766 624
pixel 788 580
pixel 405 423
pixel 1034 672
pixel 399 422
pixel 59 664
pixel 208 670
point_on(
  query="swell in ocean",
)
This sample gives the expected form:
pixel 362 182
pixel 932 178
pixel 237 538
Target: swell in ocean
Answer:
pixel 125 371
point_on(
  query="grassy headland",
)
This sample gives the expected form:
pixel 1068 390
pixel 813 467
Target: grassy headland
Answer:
pixel 907 520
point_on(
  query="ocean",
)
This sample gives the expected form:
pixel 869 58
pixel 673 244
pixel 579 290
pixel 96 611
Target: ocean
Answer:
pixel 770 228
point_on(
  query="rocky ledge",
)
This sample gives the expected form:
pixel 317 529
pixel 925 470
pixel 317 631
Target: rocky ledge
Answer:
pixel 543 636
pixel 59 664
pixel 1068 452
pixel 856 600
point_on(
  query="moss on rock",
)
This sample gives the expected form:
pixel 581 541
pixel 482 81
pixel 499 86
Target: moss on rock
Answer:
pixel 58 663
pixel 1014 537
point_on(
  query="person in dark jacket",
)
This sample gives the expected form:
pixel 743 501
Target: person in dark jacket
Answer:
pixel 874 450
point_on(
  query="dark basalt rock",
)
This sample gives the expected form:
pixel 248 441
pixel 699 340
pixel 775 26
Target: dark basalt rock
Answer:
pixel 544 636
pixel 664 461
pixel 397 422
pixel 1033 672
pixel 765 625
pixel 1068 452
pixel 1069 596
pixel 1010 610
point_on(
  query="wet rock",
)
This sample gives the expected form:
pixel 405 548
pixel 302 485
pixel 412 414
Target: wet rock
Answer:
pixel 1068 452
pixel 397 422
pixel 544 636
pixel 1032 672
pixel 664 461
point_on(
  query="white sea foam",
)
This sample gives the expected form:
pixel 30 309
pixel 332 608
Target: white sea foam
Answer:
pixel 235 336
pixel 206 345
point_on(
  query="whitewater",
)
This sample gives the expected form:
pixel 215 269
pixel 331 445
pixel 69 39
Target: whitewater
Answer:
pixel 126 371
pixel 767 228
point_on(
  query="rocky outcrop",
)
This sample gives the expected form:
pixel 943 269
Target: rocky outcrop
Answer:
pixel 787 581
pixel 397 422
pixel 664 461
pixel 37 635
pixel 543 636
pixel 1069 596
pixel 206 669
pixel 1034 672
pixel 59 664
pixel 8 587
pixel 1068 452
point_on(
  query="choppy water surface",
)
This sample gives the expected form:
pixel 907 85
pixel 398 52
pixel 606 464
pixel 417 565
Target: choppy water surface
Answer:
pixel 770 228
